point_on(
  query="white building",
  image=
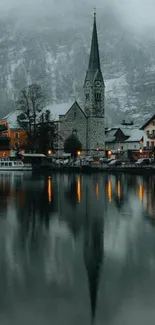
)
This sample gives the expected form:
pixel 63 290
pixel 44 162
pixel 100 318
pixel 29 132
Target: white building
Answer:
pixel 122 139
pixel 149 130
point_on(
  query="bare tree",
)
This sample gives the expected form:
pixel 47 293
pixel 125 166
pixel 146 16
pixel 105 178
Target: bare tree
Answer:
pixel 31 101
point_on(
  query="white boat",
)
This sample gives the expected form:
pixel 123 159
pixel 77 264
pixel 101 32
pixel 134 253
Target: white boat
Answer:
pixel 13 165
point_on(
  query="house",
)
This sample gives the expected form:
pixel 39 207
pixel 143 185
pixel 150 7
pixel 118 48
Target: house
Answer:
pixel 126 141
pixel 11 129
pixel 149 130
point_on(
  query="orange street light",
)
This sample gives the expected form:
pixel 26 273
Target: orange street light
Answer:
pixel 140 150
pixel 49 152
pixel 79 153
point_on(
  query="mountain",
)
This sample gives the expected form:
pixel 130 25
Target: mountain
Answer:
pixel 53 51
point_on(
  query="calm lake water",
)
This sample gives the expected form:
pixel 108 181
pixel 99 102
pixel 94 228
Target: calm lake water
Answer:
pixel 77 249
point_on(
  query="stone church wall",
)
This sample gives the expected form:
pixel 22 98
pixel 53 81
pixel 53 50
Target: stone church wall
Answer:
pixel 73 121
pixel 96 131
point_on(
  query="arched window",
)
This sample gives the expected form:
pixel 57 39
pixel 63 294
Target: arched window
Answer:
pixel 74 132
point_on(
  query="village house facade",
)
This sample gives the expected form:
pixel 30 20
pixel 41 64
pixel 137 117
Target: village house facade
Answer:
pixel 149 130
pixel 126 141
pixel 15 137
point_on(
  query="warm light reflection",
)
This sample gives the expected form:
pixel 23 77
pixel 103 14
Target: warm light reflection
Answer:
pixel 119 189
pixel 109 191
pixel 140 192
pixel 49 189
pixel 97 190
pixel 79 192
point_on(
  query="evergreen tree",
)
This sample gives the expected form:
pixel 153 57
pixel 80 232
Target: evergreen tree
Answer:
pixel 72 145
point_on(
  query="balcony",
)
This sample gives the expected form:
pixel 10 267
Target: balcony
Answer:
pixel 151 136
pixel 3 128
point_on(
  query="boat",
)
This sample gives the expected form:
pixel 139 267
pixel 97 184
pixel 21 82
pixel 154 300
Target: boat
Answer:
pixel 13 165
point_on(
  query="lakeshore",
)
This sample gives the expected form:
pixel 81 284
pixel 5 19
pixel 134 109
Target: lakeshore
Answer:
pixel 90 169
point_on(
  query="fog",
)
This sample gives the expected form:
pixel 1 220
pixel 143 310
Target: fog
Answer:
pixel 136 14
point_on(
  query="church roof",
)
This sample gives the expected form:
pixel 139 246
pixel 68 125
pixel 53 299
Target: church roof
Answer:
pixel 94 67
pixel 60 109
pixel 94 59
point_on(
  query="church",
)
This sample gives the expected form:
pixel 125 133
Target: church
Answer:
pixel 87 123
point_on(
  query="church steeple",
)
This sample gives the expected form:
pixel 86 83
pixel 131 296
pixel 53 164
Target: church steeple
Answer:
pixel 94 59
pixel 94 84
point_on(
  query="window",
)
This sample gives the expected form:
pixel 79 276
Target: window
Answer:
pixel 74 132
pixel 153 132
pixel 98 96
pixel 16 144
pixel 87 97
pixel 16 135
pixel 152 144
pixel 147 143
pixel 148 132
pixel 153 122
pixel 121 147
pixel 134 146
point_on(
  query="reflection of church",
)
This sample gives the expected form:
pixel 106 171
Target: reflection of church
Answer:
pixel 88 122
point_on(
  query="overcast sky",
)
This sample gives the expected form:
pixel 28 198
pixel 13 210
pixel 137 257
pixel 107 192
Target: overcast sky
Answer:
pixel 137 14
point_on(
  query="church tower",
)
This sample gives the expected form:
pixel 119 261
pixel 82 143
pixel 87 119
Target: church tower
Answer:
pixel 94 90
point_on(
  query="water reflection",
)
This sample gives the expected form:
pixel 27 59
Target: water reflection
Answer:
pixel 93 251
pixel 49 189
pixel 54 232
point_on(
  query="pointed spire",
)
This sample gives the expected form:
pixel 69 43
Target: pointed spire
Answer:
pixel 94 60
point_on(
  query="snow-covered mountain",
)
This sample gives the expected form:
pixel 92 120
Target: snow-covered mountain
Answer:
pixel 53 51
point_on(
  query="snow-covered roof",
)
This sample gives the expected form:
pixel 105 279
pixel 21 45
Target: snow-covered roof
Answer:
pixel 58 109
pixel 55 109
pixel 11 118
pixel 136 135
pixel 109 139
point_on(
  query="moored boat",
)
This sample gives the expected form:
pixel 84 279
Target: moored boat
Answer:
pixel 13 165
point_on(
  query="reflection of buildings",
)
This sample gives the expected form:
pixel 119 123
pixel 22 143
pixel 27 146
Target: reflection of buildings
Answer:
pixel 93 245
pixel 119 186
pixel 147 195
pixel 116 190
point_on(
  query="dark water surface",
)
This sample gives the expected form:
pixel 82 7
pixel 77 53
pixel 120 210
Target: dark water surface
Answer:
pixel 77 249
